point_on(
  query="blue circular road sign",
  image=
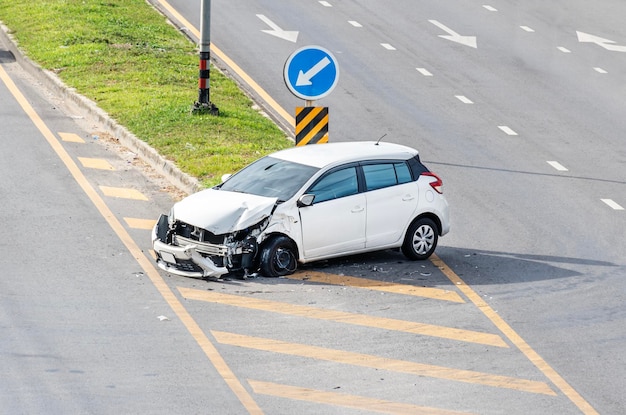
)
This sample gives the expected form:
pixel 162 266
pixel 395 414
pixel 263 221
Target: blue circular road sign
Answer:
pixel 311 72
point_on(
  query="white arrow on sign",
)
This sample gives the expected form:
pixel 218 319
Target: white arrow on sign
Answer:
pixel 605 43
pixel 289 35
pixel 304 78
pixel 455 37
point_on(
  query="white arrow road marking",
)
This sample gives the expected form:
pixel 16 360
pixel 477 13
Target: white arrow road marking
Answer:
pixel 304 78
pixel 454 36
pixel 291 36
pixel 605 43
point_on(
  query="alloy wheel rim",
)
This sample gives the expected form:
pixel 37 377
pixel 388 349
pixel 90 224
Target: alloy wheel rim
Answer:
pixel 423 239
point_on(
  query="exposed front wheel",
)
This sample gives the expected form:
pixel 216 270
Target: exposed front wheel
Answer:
pixel 421 239
pixel 278 257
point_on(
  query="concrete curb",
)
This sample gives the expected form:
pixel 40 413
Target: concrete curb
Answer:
pixel 149 155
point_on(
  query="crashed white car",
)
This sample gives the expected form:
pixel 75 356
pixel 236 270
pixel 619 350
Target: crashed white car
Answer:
pixel 305 204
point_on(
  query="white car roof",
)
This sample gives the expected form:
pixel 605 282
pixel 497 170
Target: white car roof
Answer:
pixel 320 155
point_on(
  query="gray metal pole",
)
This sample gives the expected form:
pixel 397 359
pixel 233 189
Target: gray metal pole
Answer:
pixel 204 105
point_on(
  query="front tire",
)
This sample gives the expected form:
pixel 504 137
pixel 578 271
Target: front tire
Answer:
pixel 278 257
pixel 421 239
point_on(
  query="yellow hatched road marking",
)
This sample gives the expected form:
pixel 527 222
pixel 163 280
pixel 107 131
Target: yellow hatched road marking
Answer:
pixel 147 265
pixel 381 363
pixel 345 400
pixel 123 193
pixel 344 317
pixel 92 163
pixel 390 287
pixel 135 223
pixel 515 338
pixel 71 138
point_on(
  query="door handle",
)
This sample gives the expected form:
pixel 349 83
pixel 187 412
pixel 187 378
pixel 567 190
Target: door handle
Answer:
pixel 408 198
pixel 357 209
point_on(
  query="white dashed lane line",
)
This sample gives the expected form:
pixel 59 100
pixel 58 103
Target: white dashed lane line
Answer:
pixel 507 130
pixel 612 204
pixel 464 99
pixel 424 71
pixel 558 166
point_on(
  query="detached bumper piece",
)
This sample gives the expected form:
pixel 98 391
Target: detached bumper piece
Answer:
pixel 185 259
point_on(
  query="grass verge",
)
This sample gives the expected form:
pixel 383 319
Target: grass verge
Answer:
pixel 123 55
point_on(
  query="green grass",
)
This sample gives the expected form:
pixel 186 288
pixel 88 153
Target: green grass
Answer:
pixel 123 55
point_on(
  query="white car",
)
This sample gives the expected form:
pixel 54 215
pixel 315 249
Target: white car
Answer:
pixel 305 204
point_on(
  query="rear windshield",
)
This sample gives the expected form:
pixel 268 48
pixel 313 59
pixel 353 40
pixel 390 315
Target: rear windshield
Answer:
pixel 270 177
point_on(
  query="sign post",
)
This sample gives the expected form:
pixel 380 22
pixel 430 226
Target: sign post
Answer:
pixel 311 73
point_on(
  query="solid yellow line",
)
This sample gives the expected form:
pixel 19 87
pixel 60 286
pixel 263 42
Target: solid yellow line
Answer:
pixel 389 287
pixel 515 338
pixel 233 66
pixel 207 347
pixel 347 401
pixel 344 317
pixel 381 363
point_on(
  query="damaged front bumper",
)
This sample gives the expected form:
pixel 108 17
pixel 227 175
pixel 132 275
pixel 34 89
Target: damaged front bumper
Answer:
pixel 185 259
pixel 190 256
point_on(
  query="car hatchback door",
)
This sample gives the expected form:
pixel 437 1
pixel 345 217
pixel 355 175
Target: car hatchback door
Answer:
pixel 335 222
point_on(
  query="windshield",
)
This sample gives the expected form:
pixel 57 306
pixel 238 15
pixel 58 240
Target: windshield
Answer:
pixel 270 177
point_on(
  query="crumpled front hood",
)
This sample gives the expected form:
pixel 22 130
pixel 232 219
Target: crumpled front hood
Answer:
pixel 221 212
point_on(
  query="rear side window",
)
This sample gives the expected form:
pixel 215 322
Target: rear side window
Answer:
pixel 402 173
pixel 380 175
pixel 417 168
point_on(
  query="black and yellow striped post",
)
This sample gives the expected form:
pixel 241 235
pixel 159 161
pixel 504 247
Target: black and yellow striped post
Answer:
pixel 311 125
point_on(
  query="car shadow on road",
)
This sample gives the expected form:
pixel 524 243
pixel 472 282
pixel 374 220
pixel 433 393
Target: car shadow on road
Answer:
pixel 475 267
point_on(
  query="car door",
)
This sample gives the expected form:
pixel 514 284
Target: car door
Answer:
pixel 391 196
pixel 335 222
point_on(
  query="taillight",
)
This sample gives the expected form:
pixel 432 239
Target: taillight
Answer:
pixel 436 184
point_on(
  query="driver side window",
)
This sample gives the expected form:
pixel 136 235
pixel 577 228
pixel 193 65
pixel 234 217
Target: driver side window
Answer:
pixel 335 184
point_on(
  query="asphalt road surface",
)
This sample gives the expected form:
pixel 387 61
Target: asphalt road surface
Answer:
pixel 522 311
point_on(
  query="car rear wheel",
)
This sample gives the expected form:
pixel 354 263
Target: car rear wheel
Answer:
pixel 278 257
pixel 421 239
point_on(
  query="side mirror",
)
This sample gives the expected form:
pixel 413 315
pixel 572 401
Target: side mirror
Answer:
pixel 226 177
pixel 306 200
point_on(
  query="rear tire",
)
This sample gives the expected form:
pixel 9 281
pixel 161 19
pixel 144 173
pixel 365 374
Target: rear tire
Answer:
pixel 278 257
pixel 421 239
